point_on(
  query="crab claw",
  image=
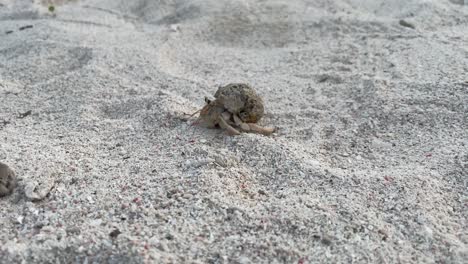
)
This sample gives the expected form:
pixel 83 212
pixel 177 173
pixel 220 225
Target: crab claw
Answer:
pixel 261 130
pixel 251 127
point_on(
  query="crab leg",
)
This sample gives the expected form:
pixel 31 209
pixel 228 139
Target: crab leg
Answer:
pixel 251 127
pixel 191 115
pixel 223 124
pixel 245 127
pixel 262 130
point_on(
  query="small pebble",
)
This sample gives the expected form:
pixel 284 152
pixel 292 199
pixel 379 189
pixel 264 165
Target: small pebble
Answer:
pixel 407 24
pixel 326 240
pixel 115 233
pixel 73 230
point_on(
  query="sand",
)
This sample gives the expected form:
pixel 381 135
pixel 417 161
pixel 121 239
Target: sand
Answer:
pixel 369 164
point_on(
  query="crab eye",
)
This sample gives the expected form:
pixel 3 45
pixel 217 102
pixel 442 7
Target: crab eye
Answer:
pixel 243 115
pixel 207 100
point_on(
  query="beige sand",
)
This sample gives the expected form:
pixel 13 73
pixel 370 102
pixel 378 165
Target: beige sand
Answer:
pixel 369 164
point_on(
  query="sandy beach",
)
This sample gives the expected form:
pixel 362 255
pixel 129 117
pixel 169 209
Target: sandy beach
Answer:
pixel 369 163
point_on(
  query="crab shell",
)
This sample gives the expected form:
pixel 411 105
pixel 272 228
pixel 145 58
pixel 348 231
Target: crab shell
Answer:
pixel 242 100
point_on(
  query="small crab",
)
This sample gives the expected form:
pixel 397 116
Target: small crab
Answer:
pixel 237 107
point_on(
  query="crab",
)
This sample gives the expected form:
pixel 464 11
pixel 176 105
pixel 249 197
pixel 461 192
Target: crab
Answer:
pixel 236 108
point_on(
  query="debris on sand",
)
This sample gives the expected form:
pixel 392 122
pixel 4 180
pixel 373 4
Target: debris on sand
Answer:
pixel 37 190
pixel 407 24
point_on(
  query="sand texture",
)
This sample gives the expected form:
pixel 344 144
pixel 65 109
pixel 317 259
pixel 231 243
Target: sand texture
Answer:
pixel 369 163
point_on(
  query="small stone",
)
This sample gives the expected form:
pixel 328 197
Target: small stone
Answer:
pixel 25 114
pixel 48 229
pixel 26 27
pixel 153 241
pixel 407 24
pixel 18 220
pixel 174 27
pixel 243 260
pixel 73 230
pixel 115 233
pixel 7 180
pixel 163 246
pixel 326 240
pixel 96 222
